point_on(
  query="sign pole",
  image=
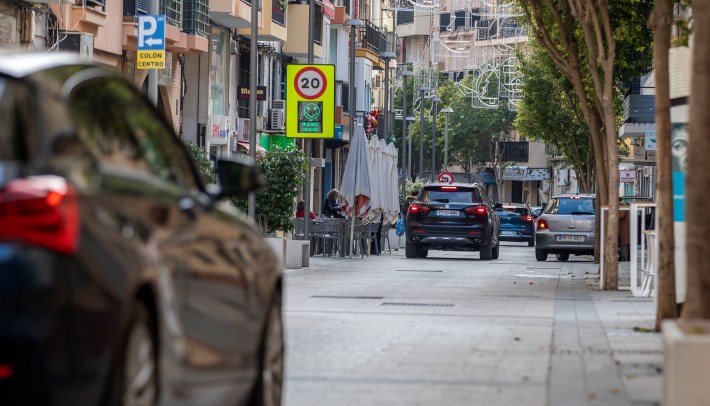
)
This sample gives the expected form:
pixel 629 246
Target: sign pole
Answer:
pixel 253 68
pixel 308 142
pixel 153 73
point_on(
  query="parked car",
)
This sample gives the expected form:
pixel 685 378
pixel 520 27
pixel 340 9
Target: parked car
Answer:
pixel 516 223
pixel 536 212
pixel 452 217
pixel 123 280
pixel 566 227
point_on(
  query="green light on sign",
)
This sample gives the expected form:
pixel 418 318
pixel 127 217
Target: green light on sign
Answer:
pixel 310 117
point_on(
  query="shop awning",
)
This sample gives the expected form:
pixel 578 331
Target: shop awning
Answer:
pixel 332 143
pixel 245 145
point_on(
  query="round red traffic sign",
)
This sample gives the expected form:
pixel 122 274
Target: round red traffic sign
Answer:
pixel 445 177
pixel 310 83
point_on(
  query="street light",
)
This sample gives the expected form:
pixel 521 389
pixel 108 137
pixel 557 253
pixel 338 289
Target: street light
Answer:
pixel 410 120
pixel 405 74
pixel 422 89
pixel 446 110
pixel 434 101
pixel 353 23
pixel 387 56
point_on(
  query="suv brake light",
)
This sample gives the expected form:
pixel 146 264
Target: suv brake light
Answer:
pixel 449 188
pixel 542 225
pixel 526 218
pixel 40 210
pixel 476 210
pixel 416 208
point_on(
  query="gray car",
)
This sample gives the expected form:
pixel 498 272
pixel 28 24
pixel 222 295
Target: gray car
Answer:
pixel 566 227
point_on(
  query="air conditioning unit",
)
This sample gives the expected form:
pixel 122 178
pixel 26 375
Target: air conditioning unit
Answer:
pixel 245 129
pixel 79 42
pixel 277 117
pixel 260 124
pixel 278 104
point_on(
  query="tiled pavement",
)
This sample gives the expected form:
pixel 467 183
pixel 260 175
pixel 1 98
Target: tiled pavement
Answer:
pixel 454 330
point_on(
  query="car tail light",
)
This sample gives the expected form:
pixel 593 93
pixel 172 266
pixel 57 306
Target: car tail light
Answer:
pixel 6 371
pixel 449 188
pixel 416 208
pixel 526 218
pixel 476 210
pixel 40 210
pixel 542 225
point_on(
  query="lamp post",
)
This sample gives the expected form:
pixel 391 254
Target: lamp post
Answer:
pixel 408 121
pixel 434 101
pixel 422 89
pixel 405 75
pixel 387 56
pixel 353 23
pixel 446 110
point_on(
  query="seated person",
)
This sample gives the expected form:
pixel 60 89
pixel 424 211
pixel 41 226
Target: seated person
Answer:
pixel 331 208
pixel 300 209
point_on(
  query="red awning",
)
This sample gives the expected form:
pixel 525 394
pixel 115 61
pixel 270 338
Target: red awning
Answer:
pixel 245 145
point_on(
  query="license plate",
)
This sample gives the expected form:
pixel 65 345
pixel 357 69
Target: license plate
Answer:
pixel 447 213
pixel 508 233
pixel 575 238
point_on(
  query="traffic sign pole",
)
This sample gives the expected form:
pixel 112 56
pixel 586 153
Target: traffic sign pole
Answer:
pixel 253 68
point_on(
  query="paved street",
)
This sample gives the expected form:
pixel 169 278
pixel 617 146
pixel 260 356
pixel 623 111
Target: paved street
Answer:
pixel 454 330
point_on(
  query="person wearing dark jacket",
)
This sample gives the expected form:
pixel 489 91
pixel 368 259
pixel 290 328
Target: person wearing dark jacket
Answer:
pixel 331 208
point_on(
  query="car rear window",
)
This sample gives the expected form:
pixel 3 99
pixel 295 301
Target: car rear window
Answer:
pixel 17 124
pixel 450 194
pixel 571 205
pixel 517 210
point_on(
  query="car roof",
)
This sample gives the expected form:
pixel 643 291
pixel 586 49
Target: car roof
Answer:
pixel 575 195
pixel 19 63
pixel 457 184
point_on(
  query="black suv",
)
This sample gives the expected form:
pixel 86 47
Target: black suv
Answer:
pixel 123 279
pixel 452 217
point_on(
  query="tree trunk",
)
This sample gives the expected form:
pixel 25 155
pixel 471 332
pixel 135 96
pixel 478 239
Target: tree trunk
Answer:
pixel 611 239
pixel 660 23
pixel 697 303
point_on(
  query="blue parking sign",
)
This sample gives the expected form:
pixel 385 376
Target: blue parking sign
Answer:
pixel 151 32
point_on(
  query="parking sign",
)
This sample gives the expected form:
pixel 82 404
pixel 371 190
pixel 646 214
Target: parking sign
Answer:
pixel 151 42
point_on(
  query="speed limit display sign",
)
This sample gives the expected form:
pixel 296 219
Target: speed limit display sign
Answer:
pixel 310 101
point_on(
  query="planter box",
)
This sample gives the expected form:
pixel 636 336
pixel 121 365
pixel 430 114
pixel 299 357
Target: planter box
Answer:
pixel 278 245
pixel 686 362
pixel 297 254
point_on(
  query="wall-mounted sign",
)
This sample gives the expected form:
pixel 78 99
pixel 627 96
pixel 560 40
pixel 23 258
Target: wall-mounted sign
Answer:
pixel 627 176
pixel 310 101
pixel 243 93
pixel 151 42
pixel 650 140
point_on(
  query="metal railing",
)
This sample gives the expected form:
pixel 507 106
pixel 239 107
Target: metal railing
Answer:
pixel 196 20
pixel 516 151
pixel 370 37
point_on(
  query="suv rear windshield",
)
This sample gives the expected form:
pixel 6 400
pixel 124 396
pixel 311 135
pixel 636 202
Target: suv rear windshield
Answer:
pixel 571 205
pixel 517 210
pixel 450 194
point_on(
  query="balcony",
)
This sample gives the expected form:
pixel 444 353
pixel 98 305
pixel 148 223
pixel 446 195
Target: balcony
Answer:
pixel 515 151
pixel 411 23
pixel 272 22
pixel 639 105
pixel 231 13
pixel 370 42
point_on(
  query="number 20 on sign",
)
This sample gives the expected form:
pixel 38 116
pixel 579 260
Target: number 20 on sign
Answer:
pixel 310 101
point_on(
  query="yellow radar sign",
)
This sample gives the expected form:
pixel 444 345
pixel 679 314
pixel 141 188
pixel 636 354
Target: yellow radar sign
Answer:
pixel 310 101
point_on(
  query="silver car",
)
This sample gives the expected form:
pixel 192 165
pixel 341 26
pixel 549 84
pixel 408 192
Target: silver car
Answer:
pixel 566 227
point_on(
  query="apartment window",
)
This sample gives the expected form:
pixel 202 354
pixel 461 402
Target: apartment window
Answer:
pixel 218 71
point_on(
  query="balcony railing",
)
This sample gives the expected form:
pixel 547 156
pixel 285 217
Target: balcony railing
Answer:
pixel 515 151
pixel 344 3
pixel 371 38
pixel 196 20
pixel 173 12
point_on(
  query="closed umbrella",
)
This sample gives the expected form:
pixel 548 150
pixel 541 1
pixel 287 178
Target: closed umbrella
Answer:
pixel 374 157
pixel 393 182
pixel 355 186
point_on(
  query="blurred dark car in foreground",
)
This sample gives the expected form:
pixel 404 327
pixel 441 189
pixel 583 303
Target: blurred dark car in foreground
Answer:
pixel 566 227
pixel 516 223
pixel 452 217
pixel 122 279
